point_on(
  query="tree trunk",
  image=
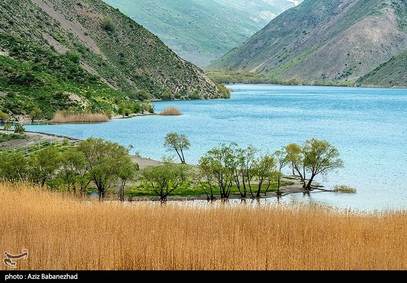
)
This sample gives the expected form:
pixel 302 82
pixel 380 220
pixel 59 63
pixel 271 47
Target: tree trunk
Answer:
pixel 309 184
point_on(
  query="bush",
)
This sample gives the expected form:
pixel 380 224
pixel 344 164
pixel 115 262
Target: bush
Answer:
pixel 19 129
pixel 171 111
pixel 144 95
pixel 107 25
pixel 223 90
pixel 4 117
pixel 345 189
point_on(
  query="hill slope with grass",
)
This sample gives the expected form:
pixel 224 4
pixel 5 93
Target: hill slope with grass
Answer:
pixel 326 42
pixel 86 56
pixel 202 30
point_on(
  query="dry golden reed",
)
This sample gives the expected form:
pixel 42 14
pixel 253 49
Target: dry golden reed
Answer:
pixel 61 117
pixel 63 233
pixel 171 111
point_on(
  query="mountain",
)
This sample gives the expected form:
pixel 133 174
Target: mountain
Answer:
pixel 58 54
pixel 341 42
pixel 202 30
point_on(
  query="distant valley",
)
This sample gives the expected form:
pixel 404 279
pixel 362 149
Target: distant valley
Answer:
pixel 203 30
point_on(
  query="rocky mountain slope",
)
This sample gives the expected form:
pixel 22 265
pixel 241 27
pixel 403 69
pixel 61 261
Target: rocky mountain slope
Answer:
pixel 202 30
pixel 58 54
pixel 341 42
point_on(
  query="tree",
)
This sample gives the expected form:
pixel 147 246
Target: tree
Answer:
pixel 43 164
pixel 218 164
pixel 281 158
pixel 14 166
pixel 205 181
pixel 124 110
pixel 320 157
pixel 179 143
pixel 295 156
pixel 107 25
pixel 73 170
pixel 103 161
pixel 35 113
pixel 127 171
pixel 165 179
pixel 143 95
pixel 19 129
pixel 264 170
pixel 4 117
pixel 244 162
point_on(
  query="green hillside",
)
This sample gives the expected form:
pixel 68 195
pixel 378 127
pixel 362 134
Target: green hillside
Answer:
pixel 390 74
pixel 86 56
pixel 323 42
pixel 202 30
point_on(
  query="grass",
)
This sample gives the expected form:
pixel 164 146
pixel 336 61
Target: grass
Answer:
pixel 63 233
pixel 171 111
pixel 66 117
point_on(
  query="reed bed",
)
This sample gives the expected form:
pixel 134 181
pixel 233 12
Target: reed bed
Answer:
pixel 62 117
pixel 65 233
pixel 171 111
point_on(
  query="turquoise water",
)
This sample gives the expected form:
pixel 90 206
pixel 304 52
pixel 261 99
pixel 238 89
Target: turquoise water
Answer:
pixel 369 127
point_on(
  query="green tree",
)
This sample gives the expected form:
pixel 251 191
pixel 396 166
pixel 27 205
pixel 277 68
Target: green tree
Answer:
pixel 127 172
pixel 167 95
pixel 73 171
pixel 35 113
pixel 4 117
pixel 124 110
pixel 14 166
pixel 295 157
pixel 243 163
pixel 320 157
pixel 178 143
pixel 19 128
pixel 43 164
pixel 144 95
pixel 103 161
pixel 165 179
pixel 264 170
pixel 107 25
pixel 219 164
pixel 281 161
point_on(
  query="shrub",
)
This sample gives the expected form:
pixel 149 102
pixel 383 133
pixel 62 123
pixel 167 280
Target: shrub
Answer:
pixel 345 189
pixel 19 129
pixel 4 117
pixel 107 25
pixel 171 111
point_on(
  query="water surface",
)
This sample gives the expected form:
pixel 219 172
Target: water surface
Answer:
pixel 369 127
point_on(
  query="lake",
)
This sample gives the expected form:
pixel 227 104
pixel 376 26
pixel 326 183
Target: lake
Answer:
pixel 368 126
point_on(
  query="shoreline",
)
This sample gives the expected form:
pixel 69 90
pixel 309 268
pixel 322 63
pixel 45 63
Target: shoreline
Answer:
pixel 34 138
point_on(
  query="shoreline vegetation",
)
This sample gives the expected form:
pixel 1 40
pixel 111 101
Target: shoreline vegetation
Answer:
pixel 225 77
pixel 65 168
pixel 171 111
pixel 63 117
pixel 175 236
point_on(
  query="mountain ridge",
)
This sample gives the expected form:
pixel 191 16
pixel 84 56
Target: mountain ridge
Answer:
pixel 323 42
pixel 114 55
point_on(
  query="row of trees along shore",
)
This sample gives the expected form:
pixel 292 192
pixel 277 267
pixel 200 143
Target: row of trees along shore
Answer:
pixel 106 167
